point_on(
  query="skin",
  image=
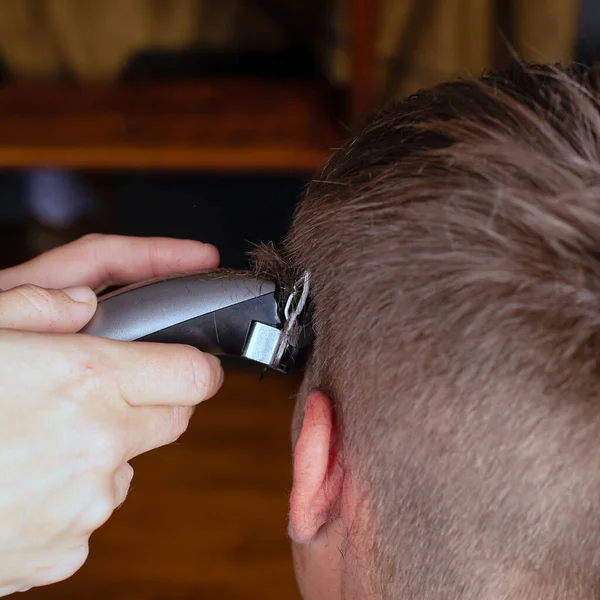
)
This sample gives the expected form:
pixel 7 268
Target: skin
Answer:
pixel 324 509
pixel 74 409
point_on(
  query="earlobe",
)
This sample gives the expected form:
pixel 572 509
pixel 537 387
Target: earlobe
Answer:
pixel 318 472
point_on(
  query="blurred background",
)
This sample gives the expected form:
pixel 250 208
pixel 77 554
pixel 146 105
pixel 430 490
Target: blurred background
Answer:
pixel 205 119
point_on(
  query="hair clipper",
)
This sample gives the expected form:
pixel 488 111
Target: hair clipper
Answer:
pixel 220 312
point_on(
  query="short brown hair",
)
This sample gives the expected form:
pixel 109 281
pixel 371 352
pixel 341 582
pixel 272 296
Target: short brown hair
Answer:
pixel 454 246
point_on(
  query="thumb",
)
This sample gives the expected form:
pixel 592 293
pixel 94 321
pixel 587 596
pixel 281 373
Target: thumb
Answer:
pixel 32 308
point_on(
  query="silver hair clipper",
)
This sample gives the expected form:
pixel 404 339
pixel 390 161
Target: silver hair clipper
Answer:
pixel 221 312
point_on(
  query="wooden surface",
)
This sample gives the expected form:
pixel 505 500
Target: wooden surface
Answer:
pixel 206 518
pixel 212 125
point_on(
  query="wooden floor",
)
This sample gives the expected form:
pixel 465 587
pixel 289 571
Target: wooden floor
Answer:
pixel 206 518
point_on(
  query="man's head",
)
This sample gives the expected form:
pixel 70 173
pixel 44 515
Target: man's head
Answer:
pixel 447 435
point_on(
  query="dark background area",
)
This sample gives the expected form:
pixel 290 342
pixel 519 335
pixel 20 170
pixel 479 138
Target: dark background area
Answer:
pixel 233 211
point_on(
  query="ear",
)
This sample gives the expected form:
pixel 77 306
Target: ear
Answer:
pixel 318 472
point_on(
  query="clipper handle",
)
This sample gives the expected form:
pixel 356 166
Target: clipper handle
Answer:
pixel 223 313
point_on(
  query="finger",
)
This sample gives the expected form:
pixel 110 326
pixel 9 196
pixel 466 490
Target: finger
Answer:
pixel 46 566
pixel 151 427
pixel 164 374
pixel 123 480
pixel 98 261
pixel 32 308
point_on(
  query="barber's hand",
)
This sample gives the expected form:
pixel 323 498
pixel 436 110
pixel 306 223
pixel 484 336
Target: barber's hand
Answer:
pixel 98 261
pixel 74 409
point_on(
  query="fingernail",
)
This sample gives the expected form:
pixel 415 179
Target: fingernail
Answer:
pixel 81 294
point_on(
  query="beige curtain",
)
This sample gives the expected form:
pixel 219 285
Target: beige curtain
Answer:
pixel 546 29
pixel 93 39
pixel 420 42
